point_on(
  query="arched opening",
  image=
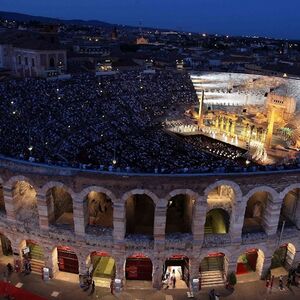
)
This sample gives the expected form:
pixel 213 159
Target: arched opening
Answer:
pixel 51 62
pixel 5 247
pixel 249 265
pixel 65 264
pixel 282 259
pixel 221 194
pixel 33 256
pixel 289 209
pixel 99 213
pixel 213 269
pixel 179 214
pixel 102 267
pixel 60 208
pixel 25 203
pixel 2 203
pixel 217 221
pixel 176 266
pixel 140 215
pixel 255 213
pixel 138 267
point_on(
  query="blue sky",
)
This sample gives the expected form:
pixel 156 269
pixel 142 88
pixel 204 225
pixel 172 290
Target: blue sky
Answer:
pixel 234 17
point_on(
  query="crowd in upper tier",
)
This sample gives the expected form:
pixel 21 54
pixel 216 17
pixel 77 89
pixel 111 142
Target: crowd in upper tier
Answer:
pixel 106 122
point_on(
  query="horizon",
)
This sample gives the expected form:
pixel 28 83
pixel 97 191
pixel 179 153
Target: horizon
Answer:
pixel 215 16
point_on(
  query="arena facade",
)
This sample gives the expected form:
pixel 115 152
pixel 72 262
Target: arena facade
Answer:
pixel 258 201
pixel 133 227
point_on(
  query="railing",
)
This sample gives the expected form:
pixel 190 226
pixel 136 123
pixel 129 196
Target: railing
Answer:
pixel 179 241
pixel 139 242
pixel 249 238
pixel 215 240
pixel 63 169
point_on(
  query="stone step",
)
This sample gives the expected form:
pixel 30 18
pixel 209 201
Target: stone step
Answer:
pixel 212 278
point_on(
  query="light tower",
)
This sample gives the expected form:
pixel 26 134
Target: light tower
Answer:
pixel 201 101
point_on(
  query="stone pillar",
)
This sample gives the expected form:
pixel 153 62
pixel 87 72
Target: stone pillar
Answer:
pixel 82 266
pixel 119 221
pixel 160 218
pixel 198 222
pixel 271 216
pixel 43 211
pixel 232 129
pixel 194 274
pixel 263 265
pixel 120 274
pixel 237 221
pixel 157 273
pixel 9 203
pixel 78 216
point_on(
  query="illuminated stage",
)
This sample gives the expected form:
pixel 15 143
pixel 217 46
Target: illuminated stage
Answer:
pixel 251 112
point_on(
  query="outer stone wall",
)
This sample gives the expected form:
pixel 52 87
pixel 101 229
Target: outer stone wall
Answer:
pixel 120 187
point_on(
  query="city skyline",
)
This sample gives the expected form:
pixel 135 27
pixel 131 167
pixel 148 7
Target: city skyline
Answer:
pixel 231 17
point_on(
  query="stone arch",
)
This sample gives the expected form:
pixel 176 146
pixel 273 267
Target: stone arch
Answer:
pixel 97 189
pixel 290 206
pixel 97 209
pixel 24 199
pixel 44 189
pixel 6 244
pixel 133 192
pixel 180 211
pixel 217 221
pixel 60 204
pixel 140 212
pixel 235 187
pixel 283 256
pixel 102 266
pixel 58 259
pixel 2 200
pixel 250 259
pixel 12 180
pixel 257 209
pixel 262 188
pixel 139 267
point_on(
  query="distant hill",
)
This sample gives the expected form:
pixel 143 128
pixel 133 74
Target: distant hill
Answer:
pixel 26 18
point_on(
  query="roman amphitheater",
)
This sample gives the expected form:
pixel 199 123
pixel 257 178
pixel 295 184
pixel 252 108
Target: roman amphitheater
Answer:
pixel 135 227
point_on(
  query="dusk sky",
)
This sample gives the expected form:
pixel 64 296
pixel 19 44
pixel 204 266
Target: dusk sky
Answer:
pixel 273 18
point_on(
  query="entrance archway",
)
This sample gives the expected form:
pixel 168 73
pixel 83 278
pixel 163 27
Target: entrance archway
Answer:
pixel 33 253
pixel 255 213
pixel 102 267
pixel 213 269
pixel 249 265
pixel 217 222
pixel 288 212
pixel 282 259
pixel 140 215
pixel 138 267
pixel 2 203
pixel 60 207
pixel 5 248
pixel 65 264
pixel 99 212
pixel 179 214
pixel 25 203
pixel 176 266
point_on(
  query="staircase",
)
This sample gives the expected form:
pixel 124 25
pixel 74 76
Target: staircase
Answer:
pixel 212 272
pixel 36 266
pixel 208 229
pixel 36 259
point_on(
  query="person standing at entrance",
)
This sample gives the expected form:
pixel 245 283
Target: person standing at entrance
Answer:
pixel 112 287
pixel 174 281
